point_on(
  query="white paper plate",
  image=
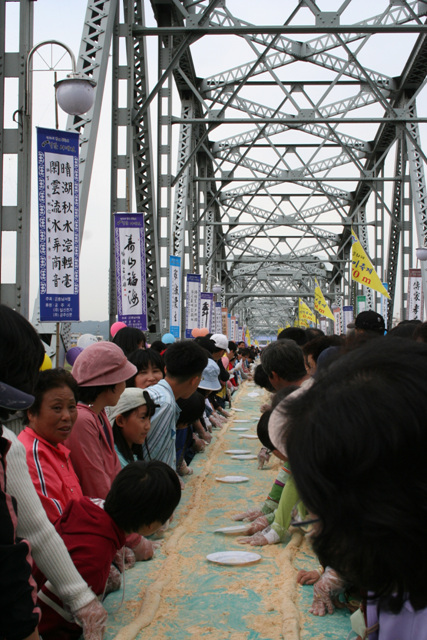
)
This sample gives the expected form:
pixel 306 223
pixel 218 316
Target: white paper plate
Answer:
pixel 242 420
pixel 254 394
pixel 234 557
pixel 248 456
pixel 249 436
pixel 236 451
pixel 239 428
pixel 232 479
pixel 234 409
pixel 234 529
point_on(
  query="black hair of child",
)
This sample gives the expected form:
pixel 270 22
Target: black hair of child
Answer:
pixel 192 408
pixel 129 339
pixel 261 378
pixel 184 360
pixel 120 441
pixel 262 426
pixel 87 395
pixel 142 359
pixel 158 346
pixel 297 334
pixel 356 442
pixel 285 358
pixel 143 493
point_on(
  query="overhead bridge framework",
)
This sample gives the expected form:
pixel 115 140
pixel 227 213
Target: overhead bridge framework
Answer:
pixel 255 174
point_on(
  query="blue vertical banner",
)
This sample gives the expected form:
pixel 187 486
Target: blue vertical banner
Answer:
pixel 175 296
pixel 131 287
pixel 206 305
pixel 58 196
pixel 192 309
pixel 347 317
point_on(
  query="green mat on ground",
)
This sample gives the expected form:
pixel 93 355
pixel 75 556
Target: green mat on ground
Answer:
pixel 180 595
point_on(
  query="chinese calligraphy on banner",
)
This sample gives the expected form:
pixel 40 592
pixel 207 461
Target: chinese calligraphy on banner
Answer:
pixel 347 317
pixel 129 244
pixel 175 295
pixel 58 194
pixel 415 308
pixel 218 318
pixel 206 303
pixel 224 315
pixel 192 312
pixel 337 320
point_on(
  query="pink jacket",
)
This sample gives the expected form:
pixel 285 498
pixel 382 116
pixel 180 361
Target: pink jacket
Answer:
pixel 92 452
pixel 52 473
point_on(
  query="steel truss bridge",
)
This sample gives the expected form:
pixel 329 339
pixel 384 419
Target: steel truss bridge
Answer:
pixel 254 174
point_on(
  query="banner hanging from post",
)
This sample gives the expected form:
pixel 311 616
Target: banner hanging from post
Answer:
pixel 360 304
pixel 362 269
pixel 347 317
pixel 218 318
pixel 305 314
pixel 224 318
pixel 415 304
pixel 232 328
pixel 131 286
pixel 206 304
pixel 58 196
pixel 320 304
pixel 175 296
pixel 337 320
pixel 192 311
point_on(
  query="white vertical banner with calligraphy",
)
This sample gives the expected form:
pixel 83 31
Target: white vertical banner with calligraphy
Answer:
pixel 206 304
pixel 415 298
pixel 218 318
pixel 58 195
pixel 192 309
pixel 347 317
pixel 224 318
pixel 337 320
pixel 175 296
pixel 129 244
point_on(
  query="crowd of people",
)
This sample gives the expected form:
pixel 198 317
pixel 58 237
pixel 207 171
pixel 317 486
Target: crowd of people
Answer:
pixel 96 469
pixel 346 416
pixel 99 464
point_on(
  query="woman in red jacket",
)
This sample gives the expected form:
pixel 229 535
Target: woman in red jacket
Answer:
pixel 50 421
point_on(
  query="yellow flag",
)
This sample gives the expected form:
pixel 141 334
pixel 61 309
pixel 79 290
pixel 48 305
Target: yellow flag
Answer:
pixel 248 337
pixel 279 329
pixel 362 269
pixel 305 314
pixel 320 304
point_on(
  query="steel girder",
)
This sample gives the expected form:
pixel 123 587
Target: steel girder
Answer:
pixel 15 151
pixel 306 157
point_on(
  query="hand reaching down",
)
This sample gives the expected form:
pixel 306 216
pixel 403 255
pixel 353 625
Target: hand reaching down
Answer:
pixel 251 514
pixel 257 525
pixel 325 589
pixel 92 618
pixel 309 577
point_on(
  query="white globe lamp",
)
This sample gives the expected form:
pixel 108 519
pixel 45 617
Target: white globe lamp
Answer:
pixel 75 93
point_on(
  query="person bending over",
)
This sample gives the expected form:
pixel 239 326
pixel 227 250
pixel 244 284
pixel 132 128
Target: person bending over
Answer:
pixel 142 498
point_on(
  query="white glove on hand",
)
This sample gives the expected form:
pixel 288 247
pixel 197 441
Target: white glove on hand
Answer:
pixel 92 617
pixel 329 585
pixel 251 514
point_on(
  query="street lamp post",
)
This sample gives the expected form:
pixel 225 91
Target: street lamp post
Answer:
pixel 75 95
